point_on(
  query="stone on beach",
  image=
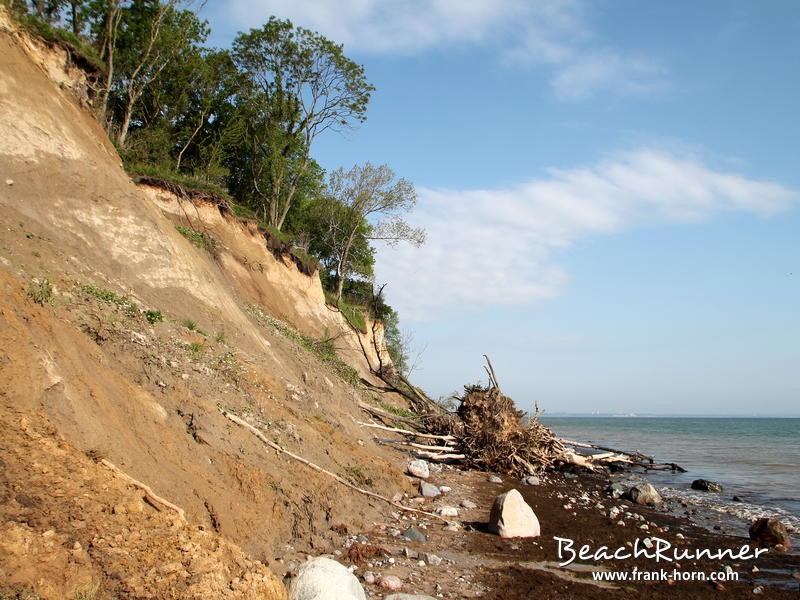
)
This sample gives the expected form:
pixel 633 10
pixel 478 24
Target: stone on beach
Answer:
pixel 419 468
pixel 412 534
pixel 704 485
pixel 325 579
pixel 770 533
pixel 494 479
pixel 644 493
pixel 428 490
pixel 530 480
pixel 390 582
pixel 512 517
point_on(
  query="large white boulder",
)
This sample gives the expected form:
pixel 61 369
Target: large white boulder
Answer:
pixel 325 579
pixel 512 517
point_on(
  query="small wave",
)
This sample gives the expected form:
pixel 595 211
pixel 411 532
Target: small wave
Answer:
pixel 744 511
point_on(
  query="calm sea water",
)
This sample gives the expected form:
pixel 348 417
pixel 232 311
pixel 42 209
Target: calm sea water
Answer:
pixel 755 459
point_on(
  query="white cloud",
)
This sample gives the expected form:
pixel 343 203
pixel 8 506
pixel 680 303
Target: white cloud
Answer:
pixel 494 247
pixel 555 34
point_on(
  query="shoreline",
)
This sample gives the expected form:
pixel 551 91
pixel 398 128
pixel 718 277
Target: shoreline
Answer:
pixel 478 564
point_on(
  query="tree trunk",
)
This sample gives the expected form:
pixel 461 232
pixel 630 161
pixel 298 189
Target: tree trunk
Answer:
pixel 341 267
pixel 122 134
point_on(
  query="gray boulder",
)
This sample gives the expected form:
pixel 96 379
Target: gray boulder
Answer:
pixel 428 490
pixel 644 493
pixel 412 534
pixel 325 579
pixel 704 485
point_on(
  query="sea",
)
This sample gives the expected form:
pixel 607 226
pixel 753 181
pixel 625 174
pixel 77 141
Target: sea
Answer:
pixel 755 459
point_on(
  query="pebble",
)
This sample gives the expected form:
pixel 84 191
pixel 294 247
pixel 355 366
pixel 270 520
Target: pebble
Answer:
pixel 448 511
pixel 469 504
pixel 412 534
pixel 445 489
pixel 428 490
pixel 530 480
pixel 432 559
pixel 494 479
pixel 451 527
pixel 391 582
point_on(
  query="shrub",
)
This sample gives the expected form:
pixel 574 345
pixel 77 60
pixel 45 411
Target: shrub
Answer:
pixel 199 239
pixel 40 291
pixel 153 316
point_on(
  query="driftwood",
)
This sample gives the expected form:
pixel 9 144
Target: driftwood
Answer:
pixel 316 467
pixel 407 432
pixel 413 445
pixel 151 496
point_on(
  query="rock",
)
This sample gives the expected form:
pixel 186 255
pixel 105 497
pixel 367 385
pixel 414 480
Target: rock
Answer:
pixel 448 511
pixel 451 527
pixel 616 489
pixel 325 579
pixel 769 533
pixel 445 489
pixel 736 499
pixel 419 468
pixel 512 517
pixel 494 479
pixel 412 534
pixel 408 597
pixel 468 504
pixel 369 577
pixel 431 559
pixel 530 480
pixel 704 485
pixel 428 490
pixel 644 493
pixel 390 582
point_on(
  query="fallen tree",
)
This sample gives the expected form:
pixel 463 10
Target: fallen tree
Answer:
pixel 488 432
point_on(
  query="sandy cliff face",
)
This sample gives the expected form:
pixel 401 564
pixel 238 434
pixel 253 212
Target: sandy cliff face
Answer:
pixel 83 253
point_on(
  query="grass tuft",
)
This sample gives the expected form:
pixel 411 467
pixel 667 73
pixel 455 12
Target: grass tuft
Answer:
pixel 199 239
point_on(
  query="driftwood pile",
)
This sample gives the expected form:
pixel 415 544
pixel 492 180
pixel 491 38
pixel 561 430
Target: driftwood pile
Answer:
pixel 493 435
pixel 488 432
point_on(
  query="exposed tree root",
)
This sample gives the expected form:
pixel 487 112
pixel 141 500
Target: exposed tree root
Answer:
pixel 154 498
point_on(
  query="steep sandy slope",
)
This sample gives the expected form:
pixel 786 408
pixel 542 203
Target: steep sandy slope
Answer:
pixel 92 376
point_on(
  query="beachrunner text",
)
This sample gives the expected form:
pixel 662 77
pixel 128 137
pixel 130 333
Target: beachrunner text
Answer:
pixel 659 550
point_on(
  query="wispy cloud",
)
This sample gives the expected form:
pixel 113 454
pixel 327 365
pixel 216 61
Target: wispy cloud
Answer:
pixel 495 247
pixel 553 34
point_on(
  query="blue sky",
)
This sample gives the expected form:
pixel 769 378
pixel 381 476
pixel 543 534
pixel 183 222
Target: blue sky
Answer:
pixel 610 191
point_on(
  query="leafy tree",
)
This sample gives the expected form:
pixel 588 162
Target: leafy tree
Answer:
pixel 354 197
pixel 148 36
pixel 303 85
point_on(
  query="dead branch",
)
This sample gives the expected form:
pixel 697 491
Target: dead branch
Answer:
pixel 316 467
pixel 437 457
pixel 491 372
pixel 387 416
pixel 408 432
pixel 413 445
pixel 149 493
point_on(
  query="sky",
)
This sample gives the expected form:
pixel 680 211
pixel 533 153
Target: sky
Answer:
pixel 610 189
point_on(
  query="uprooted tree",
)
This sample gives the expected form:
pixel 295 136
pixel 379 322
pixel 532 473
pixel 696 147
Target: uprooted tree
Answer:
pixel 488 432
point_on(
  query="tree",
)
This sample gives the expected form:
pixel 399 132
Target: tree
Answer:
pixel 352 199
pixel 152 35
pixel 305 86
